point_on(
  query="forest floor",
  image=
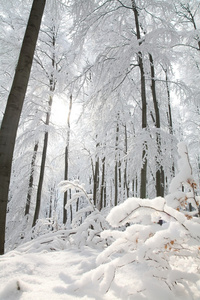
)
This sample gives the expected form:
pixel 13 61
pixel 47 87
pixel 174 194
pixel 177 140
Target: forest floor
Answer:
pixel 27 273
pixel 44 275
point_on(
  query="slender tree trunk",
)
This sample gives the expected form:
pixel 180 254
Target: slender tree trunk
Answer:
pixel 144 103
pixel 104 192
pixel 52 84
pixel 51 201
pixel 120 178
pixel 169 117
pixel 116 184
pixel 14 107
pixel 66 174
pixel 159 171
pixel 96 182
pixel 102 184
pixel 117 166
pixel 169 113
pixel 30 185
pixel 126 183
pixel 95 171
pixel 42 167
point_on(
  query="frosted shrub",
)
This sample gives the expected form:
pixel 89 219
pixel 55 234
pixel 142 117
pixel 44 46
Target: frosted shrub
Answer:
pixel 163 258
pixel 159 256
pixel 86 227
pixel 183 187
pixel 88 222
pixel 44 226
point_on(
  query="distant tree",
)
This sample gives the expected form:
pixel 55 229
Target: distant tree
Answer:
pixel 52 85
pixel 66 172
pixel 31 179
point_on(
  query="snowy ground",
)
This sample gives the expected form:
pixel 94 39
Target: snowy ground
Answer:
pixel 43 275
pixel 28 273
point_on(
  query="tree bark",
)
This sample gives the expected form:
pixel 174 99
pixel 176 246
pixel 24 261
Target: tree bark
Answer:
pixel 169 118
pixel 14 107
pixel 117 166
pixel 144 103
pixel 126 183
pixel 96 182
pixel 52 191
pixel 159 171
pixel 42 167
pixel 30 185
pixel 169 113
pixel 102 184
pixel 67 160
pixel 52 85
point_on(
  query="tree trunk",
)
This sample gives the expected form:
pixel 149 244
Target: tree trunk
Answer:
pixel 14 107
pixel 117 166
pixel 52 192
pixel 52 84
pixel 116 184
pixel 144 104
pixel 30 185
pixel 65 178
pixel 159 168
pixel 42 167
pixel 120 178
pixel 126 183
pixel 104 192
pixel 67 161
pixel 102 184
pixel 96 182
pixel 169 113
pixel 169 117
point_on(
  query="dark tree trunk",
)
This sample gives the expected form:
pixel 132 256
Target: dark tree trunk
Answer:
pixel 95 172
pixel 42 167
pixel 120 178
pixel 96 182
pixel 66 174
pixel 144 104
pixel 65 178
pixel 30 185
pixel 169 113
pixel 169 117
pixel 116 184
pixel 159 171
pixel 14 107
pixel 126 183
pixel 52 192
pixel 104 192
pixel 52 85
pixel 102 184
pixel 117 165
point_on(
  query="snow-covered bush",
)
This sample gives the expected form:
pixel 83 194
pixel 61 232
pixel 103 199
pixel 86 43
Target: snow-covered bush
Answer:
pixel 183 186
pixel 86 234
pixel 164 256
pixel 160 256
pixel 86 228
pixel 44 226
pixel 88 222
